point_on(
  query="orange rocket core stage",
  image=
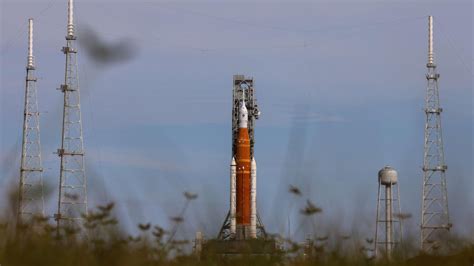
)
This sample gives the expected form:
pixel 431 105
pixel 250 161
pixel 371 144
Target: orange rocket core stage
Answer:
pixel 243 162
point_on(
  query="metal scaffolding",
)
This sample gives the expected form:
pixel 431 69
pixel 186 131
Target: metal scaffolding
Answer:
pixel 434 212
pixel 72 201
pixel 242 87
pixel 31 199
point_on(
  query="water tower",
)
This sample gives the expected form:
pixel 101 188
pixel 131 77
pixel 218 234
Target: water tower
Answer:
pixel 388 229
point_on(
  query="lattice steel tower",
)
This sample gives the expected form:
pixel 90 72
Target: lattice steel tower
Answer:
pixel 72 201
pixel 434 212
pixel 31 200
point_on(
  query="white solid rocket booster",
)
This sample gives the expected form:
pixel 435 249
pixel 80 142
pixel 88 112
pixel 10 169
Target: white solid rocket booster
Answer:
pixel 253 198
pixel 233 195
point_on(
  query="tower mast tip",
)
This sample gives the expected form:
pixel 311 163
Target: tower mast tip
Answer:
pixel 70 18
pixel 30 63
pixel 430 41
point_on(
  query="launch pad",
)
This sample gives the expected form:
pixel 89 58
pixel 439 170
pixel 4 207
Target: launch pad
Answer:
pixel 242 231
pixel 240 247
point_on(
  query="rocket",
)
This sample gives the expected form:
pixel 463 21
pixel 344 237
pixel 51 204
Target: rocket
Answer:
pixel 243 184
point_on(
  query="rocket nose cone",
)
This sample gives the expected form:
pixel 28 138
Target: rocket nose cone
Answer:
pixel 254 162
pixel 233 161
pixel 243 111
pixel 243 116
pixel 243 108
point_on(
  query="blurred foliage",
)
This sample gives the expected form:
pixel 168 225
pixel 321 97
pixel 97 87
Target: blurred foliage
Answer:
pixel 99 241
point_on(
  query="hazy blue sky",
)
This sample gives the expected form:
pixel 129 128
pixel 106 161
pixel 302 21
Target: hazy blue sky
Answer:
pixel 340 85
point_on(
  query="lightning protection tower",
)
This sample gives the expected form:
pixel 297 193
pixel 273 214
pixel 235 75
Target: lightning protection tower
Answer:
pixel 31 201
pixel 72 201
pixel 434 212
pixel 388 228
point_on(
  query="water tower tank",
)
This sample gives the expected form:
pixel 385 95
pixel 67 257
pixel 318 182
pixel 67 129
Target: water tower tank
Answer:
pixel 388 175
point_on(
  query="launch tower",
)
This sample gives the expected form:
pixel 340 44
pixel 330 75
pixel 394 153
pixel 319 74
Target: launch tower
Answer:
pixel 243 89
pixel 242 222
pixel 242 230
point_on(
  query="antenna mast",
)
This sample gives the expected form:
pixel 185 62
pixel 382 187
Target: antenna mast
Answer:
pixel 72 201
pixel 31 200
pixel 434 212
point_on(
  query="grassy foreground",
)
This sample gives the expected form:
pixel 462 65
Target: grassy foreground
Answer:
pixel 101 242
